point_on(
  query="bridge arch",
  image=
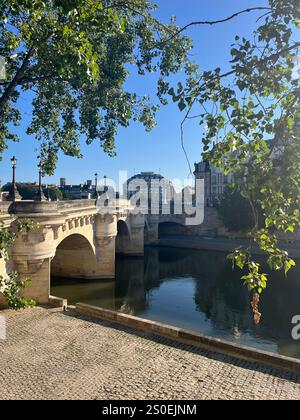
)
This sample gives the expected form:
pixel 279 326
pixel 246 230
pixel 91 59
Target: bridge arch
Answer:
pixel 77 235
pixel 171 228
pixel 123 238
pixel 74 258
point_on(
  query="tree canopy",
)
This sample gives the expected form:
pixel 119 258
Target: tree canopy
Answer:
pixel 29 191
pixel 74 57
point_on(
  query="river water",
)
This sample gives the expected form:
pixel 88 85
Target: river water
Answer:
pixel 196 290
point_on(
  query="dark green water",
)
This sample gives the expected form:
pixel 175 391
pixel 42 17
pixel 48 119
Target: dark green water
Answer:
pixel 196 290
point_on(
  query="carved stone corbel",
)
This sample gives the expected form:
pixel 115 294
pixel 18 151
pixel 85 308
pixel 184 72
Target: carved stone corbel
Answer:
pixel 27 267
pixel 56 232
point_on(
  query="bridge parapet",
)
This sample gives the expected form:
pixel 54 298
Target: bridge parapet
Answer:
pixel 6 218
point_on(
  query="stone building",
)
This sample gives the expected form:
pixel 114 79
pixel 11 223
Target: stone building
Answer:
pixel 215 181
pixel 153 188
pixel 77 192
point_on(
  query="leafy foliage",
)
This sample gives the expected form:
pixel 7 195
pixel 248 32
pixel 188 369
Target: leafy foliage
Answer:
pixel 29 191
pixel 75 57
pixel 54 194
pixel 258 97
pixel 235 211
pixel 12 285
pixel 11 288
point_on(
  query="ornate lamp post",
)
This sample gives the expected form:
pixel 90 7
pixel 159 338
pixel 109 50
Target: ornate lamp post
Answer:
pixel 40 194
pixel 105 178
pixel 13 191
pixel 96 185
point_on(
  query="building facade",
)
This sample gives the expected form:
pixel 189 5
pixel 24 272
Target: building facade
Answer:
pixel 84 191
pixel 215 181
pixel 154 189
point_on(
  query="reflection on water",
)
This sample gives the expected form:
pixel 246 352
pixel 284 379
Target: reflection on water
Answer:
pixel 196 290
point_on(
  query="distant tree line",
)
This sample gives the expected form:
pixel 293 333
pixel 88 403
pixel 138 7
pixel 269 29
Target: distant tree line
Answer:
pixel 28 191
pixel 235 211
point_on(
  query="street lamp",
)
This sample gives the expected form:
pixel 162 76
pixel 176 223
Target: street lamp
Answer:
pixel 40 196
pixel 13 191
pixel 105 178
pixel 96 184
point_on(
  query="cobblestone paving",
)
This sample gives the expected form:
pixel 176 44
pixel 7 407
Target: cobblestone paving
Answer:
pixel 52 355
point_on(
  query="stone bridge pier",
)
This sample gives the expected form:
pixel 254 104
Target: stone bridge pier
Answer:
pixel 151 229
pixel 130 235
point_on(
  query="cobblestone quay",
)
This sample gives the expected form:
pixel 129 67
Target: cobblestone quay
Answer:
pixel 49 354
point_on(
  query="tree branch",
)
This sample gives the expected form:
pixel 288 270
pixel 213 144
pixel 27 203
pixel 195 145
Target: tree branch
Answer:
pixel 218 77
pixel 216 22
pixel 141 14
pixel 15 81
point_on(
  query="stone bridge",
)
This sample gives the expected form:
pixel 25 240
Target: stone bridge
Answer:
pixel 72 239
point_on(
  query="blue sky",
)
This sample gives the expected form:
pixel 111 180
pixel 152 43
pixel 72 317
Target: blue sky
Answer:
pixel 137 150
